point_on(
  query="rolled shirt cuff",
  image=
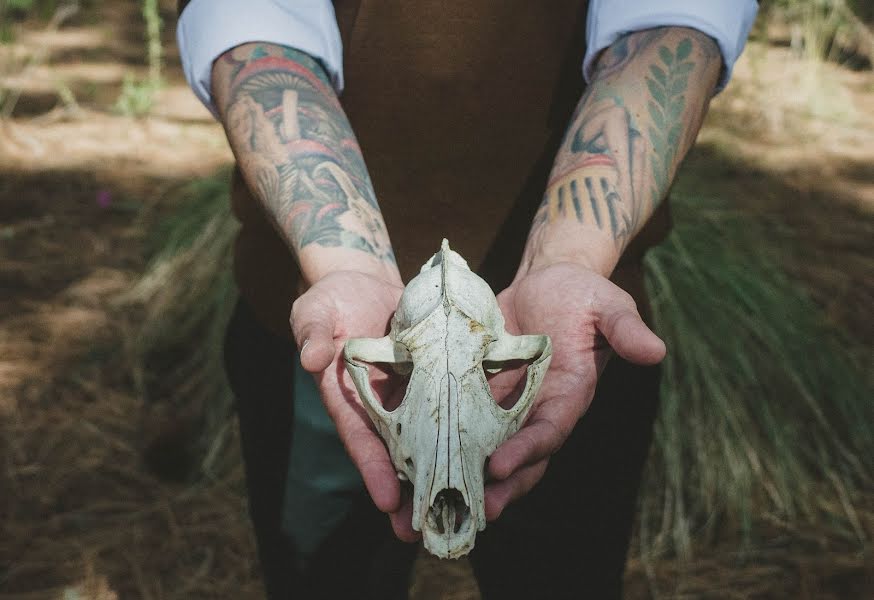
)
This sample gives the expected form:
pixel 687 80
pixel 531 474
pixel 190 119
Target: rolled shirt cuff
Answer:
pixel 728 22
pixel 209 28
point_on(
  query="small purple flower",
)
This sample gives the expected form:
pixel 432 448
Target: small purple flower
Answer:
pixel 104 198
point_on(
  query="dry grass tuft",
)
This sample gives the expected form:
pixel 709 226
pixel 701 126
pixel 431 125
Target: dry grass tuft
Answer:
pixel 184 300
pixel 766 406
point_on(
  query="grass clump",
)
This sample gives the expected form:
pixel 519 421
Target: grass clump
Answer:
pixel 185 298
pixel 766 409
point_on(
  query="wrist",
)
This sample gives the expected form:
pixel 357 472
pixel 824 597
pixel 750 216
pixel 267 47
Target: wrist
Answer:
pixel 568 242
pixel 318 262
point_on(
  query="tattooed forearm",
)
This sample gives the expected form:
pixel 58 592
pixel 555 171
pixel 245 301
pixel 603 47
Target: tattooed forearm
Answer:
pixel 297 151
pixel 631 129
pixel 588 182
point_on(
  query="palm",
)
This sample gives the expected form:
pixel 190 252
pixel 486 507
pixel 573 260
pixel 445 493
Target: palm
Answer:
pixel 362 307
pixel 570 325
pixel 586 316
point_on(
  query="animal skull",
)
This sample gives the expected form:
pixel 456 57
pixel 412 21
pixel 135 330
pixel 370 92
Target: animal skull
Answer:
pixel 447 330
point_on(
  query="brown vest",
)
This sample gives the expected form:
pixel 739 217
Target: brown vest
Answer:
pixel 459 107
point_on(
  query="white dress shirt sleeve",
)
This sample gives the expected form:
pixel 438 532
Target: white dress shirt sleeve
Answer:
pixel 728 22
pixel 209 28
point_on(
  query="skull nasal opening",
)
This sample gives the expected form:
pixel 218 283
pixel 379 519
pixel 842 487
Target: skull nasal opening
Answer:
pixel 449 513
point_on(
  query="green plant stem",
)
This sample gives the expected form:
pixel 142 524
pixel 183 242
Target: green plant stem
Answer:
pixel 153 41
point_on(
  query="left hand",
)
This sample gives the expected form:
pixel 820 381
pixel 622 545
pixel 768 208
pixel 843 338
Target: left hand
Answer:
pixel 343 305
pixel 586 316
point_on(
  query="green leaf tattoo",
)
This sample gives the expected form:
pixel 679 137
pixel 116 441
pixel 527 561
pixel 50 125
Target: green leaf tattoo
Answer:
pixel 667 84
pixel 684 49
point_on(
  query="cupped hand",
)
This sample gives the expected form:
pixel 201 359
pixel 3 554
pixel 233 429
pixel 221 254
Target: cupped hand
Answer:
pixel 343 305
pixel 587 317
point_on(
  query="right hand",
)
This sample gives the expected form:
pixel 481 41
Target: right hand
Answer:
pixel 343 305
pixel 593 319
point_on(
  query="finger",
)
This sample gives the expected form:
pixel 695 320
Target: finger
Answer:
pixel 501 493
pixel 629 336
pixel 402 520
pixel 361 441
pixel 536 441
pixel 369 455
pixel 313 320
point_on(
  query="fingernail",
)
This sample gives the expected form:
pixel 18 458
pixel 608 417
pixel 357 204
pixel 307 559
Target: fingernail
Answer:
pixel 304 346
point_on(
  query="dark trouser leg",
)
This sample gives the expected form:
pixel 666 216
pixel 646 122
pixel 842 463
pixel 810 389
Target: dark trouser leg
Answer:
pixel 361 558
pixel 259 368
pixel 569 537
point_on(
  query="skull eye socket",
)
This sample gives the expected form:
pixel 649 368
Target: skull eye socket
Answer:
pixel 389 382
pixel 507 380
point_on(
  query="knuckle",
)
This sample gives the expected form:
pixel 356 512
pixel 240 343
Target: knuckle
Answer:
pixel 625 299
pixel 296 305
pixel 555 438
pixel 531 445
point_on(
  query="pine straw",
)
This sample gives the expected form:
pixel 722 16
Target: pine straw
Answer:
pixel 78 506
pixel 793 563
pixel 83 511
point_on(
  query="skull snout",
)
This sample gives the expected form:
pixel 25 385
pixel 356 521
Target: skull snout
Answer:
pixel 449 514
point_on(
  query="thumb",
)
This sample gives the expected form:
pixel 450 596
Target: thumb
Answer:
pixel 313 321
pixel 629 336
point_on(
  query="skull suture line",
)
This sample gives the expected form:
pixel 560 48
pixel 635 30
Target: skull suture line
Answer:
pixel 448 329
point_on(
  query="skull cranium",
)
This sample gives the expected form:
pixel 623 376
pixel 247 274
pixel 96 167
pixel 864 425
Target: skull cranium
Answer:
pixel 447 325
